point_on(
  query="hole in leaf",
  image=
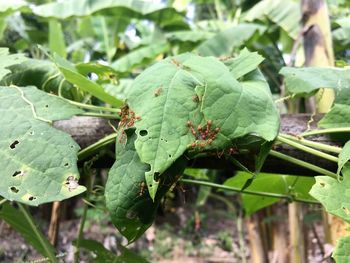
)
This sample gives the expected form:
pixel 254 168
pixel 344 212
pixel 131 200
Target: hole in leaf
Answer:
pixel 72 146
pixel 66 164
pixel 14 189
pixel 150 185
pixel 322 184
pixel 16 173
pixel 46 106
pixel 31 132
pixel 13 145
pixel 170 155
pixel 31 198
pixel 143 133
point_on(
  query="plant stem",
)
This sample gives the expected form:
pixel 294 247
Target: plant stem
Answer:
pixel 92 107
pixel 86 152
pixel 316 145
pixel 89 183
pixel 100 115
pixel 325 131
pixel 302 163
pixel 49 253
pixel 238 190
pixel 307 149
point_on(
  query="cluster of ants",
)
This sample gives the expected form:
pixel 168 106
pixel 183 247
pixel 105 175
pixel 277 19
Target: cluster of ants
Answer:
pixel 204 135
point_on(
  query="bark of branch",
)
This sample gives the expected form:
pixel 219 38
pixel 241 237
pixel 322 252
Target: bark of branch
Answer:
pixel 87 130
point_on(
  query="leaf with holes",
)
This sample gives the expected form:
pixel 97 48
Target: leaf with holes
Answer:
pixel 38 162
pixel 196 103
pixel 333 194
pixel 341 254
pixel 131 207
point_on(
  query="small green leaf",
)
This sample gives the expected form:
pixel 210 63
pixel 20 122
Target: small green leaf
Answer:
pixel 131 207
pixel 333 194
pixel 72 75
pixel 307 80
pixel 344 157
pixel 244 63
pixel 341 254
pixel 7 60
pixel 38 162
pixel 289 185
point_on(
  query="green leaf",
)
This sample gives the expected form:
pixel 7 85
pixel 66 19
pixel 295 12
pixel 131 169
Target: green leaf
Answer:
pixel 38 162
pixel 40 73
pixel 224 42
pixel 244 63
pixel 139 57
pixel 289 185
pixel 307 80
pixel 9 7
pixel 56 38
pixel 338 116
pixel 344 157
pixel 285 13
pixel 341 254
pixel 190 91
pixel 72 75
pixel 131 207
pixel 189 36
pixel 23 224
pixel 7 60
pixel 334 194
pixel 163 16
pixel 103 255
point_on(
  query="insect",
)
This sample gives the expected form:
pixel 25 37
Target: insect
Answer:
pixel 142 188
pixel 157 92
pixel 72 183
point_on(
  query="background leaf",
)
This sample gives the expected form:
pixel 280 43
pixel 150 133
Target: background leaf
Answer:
pixel 290 185
pixel 22 223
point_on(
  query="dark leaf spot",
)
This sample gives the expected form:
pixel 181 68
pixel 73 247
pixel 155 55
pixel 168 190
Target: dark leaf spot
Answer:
pixel 322 184
pixel 14 189
pixel 13 145
pixel 16 173
pixel 31 198
pixel 66 164
pixel 143 133
pixel 46 106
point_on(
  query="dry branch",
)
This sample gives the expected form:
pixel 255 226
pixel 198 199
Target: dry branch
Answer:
pixel 87 130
